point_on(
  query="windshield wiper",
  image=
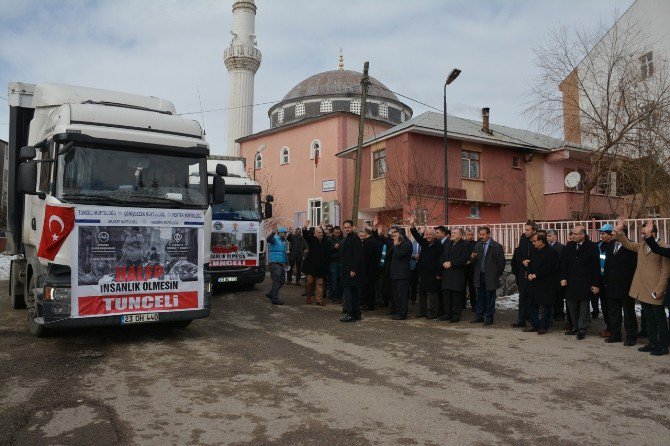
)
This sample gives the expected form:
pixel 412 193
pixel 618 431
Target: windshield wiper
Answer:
pixel 162 198
pixel 94 197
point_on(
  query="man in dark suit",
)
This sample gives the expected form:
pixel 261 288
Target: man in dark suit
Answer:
pixel 429 269
pixel 455 256
pixel 580 275
pixel 620 267
pixel 372 253
pixel 471 281
pixel 520 262
pixel 400 273
pixel 559 306
pixel 489 264
pixel 353 272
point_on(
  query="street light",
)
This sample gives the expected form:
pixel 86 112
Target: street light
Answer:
pixel 452 77
pixel 258 152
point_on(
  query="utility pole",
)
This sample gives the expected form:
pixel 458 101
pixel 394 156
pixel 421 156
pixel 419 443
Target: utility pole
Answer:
pixel 365 82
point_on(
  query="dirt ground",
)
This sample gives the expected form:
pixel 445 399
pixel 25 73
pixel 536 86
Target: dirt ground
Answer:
pixel 257 374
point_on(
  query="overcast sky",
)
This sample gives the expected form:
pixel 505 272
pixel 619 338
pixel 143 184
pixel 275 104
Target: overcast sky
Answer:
pixel 170 48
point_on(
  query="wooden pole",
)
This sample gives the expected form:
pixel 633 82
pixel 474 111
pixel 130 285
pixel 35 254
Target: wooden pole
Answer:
pixel 365 82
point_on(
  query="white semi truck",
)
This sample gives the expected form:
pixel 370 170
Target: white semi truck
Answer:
pixel 108 209
pixel 238 249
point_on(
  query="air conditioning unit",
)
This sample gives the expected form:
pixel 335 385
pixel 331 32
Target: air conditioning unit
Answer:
pixel 327 213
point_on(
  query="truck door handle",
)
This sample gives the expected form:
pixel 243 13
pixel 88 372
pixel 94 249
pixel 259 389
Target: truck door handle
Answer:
pixel 33 224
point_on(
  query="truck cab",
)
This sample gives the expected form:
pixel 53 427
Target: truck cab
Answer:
pixel 108 209
pixel 238 248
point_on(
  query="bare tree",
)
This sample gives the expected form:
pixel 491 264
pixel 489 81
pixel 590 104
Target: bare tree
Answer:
pixel 268 188
pixel 413 185
pixel 601 87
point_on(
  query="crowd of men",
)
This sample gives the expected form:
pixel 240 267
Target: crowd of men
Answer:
pixel 447 269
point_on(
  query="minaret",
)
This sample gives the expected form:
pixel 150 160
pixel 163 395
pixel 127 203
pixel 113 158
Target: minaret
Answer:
pixel 242 60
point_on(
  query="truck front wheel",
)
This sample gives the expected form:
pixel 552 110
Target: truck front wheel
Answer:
pixel 37 330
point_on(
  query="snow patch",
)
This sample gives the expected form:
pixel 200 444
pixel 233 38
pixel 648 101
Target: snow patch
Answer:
pixel 4 266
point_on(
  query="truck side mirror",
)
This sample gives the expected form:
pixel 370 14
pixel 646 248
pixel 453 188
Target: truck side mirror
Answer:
pixel 222 170
pixel 268 209
pixel 269 198
pixel 27 180
pixel 27 153
pixel 218 189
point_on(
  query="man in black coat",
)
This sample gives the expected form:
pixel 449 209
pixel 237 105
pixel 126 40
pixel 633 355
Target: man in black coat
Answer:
pixel 580 275
pixel 455 256
pixel 353 272
pixel 489 264
pixel 559 305
pixel 620 267
pixel 470 280
pixel 429 270
pixel 400 273
pixel 372 253
pixel 520 261
pixel 542 283
pixel 296 255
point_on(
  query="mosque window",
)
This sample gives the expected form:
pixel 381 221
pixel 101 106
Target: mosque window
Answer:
pixel 285 156
pixel 280 115
pixel 326 106
pixel 300 109
pixel 384 110
pixel 355 106
pixel 315 147
pixel 259 161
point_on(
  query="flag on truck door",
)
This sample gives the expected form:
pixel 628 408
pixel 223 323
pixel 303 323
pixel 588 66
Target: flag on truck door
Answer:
pixel 58 223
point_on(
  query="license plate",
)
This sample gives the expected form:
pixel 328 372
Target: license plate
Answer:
pixel 227 279
pixel 139 318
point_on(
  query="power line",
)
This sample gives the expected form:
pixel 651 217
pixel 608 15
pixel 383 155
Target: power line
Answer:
pixel 1 97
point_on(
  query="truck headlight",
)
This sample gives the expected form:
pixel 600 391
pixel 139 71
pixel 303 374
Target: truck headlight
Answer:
pixel 57 294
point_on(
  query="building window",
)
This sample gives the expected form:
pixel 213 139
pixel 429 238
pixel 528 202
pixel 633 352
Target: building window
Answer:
pixel 326 106
pixel 300 109
pixel 280 115
pixel 259 161
pixel 355 106
pixel 606 184
pixel 654 211
pixel 379 164
pixel 580 186
pixel 314 148
pixel 314 211
pixel 403 116
pixel 470 164
pixel 284 158
pixel 474 211
pixel 384 110
pixel 647 65
pixel 516 162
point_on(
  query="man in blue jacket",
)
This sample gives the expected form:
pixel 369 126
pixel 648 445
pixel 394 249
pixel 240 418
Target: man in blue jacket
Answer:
pixel 278 261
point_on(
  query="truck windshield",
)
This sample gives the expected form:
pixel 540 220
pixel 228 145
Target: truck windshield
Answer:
pixel 134 178
pixel 238 207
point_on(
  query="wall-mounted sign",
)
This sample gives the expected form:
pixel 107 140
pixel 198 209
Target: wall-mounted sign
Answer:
pixel 328 185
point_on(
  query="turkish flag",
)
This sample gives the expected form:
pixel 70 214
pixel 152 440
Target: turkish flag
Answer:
pixel 58 223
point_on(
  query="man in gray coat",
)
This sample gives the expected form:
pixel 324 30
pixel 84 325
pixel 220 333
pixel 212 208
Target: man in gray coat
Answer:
pixel 489 258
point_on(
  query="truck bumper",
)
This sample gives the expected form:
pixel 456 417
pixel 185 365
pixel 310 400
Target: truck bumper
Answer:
pixel 51 318
pixel 254 274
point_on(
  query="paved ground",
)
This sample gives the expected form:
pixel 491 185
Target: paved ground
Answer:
pixel 258 374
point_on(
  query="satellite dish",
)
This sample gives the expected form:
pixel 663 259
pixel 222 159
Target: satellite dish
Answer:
pixel 572 179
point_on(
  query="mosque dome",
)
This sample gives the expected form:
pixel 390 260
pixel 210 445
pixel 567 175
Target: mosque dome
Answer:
pixel 338 91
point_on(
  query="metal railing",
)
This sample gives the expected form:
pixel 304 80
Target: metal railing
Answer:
pixel 508 234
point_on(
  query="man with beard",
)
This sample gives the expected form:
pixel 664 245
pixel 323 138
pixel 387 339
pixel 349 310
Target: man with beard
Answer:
pixel 352 272
pixel 520 261
pixel 580 275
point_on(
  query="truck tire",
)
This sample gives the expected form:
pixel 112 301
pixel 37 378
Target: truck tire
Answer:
pixel 37 330
pixel 177 324
pixel 15 287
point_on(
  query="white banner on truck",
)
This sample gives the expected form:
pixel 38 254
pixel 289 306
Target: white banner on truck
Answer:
pixel 130 260
pixel 234 243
